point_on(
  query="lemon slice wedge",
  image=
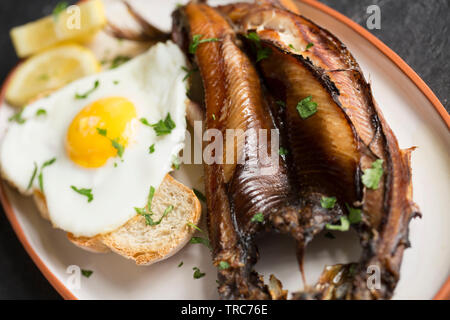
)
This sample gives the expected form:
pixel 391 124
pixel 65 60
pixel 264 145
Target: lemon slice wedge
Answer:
pixel 75 23
pixel 48 71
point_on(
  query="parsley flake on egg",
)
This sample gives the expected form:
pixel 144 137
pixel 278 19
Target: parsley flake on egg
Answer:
pixel 196 41
pixel 84 192
pixel 162 127
pixel 87 93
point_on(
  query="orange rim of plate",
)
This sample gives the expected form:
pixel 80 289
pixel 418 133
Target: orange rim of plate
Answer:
pixel 444 292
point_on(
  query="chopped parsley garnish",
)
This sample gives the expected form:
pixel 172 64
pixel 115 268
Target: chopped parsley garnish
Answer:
pixel 188 72
pixel 119 147
pixel 176 162
pixel 59 8
pixel 116 82
pixel 213 116
pixel 262 54
pixel 115 142
pixel 258 217
pixel 200 195
pixel 196 41
pixel 306 108
pixel 17 118
pixel 41 176
pixel 181 263
pixel 190 224
pixel 253 36
pixel 86 273
pixel 33 176
pixel 87 93
pixel 223 265
pixel 354 215
pixel 84 192
pixel 309 45
pixel 344 226
pixel 281 103
pixel 282 151
pixel 41 112
pixel 291 46
pixel 102 132
pixel 151 149
pixel 197 273
pixel 200 240
pixel 148 216
pixel 328 202
pixel 147 212
pixel 162 127
pixel 118 61
pixel 371 177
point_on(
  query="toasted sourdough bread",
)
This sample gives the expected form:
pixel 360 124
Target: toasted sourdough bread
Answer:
pixel 142 243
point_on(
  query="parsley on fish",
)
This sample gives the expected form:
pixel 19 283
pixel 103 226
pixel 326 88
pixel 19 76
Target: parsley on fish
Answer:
pixel 372 176
pixel 196 41
pixel 253 36
pixel 344 226
pixel 262 54
pixel 354 215
pixel 151 149
pixel 328 202
pixel 281 103
pixel 309 45
pixel 258 217
pixel 87 93
pixel 188 72
pixel 282 151
pixel 181 263
pixel 84 192
pixel 223 265
pixel 306 108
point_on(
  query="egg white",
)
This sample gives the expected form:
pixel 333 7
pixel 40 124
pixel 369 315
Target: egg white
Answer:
pixel 153 82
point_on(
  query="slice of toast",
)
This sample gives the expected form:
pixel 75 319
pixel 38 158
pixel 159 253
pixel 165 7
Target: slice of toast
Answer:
pixel 143 243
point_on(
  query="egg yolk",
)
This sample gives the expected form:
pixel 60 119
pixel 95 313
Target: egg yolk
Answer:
pixel 100 130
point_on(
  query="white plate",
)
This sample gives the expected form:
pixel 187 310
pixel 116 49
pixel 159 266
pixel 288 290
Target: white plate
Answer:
pixel 409 112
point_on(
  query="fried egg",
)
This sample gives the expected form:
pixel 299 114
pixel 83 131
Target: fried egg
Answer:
pixel 90 149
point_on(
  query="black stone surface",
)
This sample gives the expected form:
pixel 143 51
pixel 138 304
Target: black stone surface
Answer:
pixel 418 30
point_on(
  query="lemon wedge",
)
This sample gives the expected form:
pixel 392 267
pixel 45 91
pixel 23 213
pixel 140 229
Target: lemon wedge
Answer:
pixel 75 23
pixel 48 71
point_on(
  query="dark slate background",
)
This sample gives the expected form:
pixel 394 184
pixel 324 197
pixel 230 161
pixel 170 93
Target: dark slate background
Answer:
pixel 418 30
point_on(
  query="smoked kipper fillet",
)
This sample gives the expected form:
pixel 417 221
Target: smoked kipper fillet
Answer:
pixel 332 152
